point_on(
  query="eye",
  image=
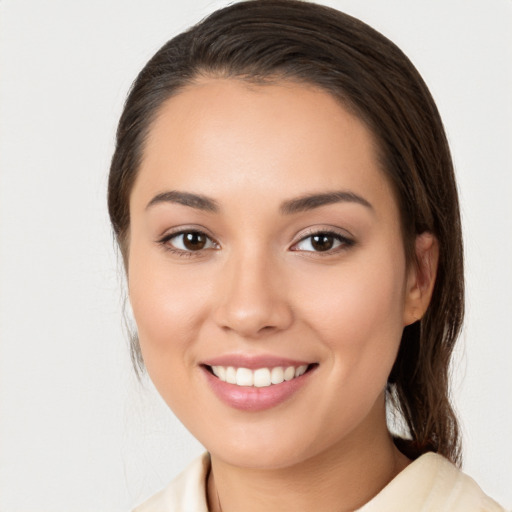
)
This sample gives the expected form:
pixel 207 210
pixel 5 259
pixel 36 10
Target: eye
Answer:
pixel 188 241
pixel 323 241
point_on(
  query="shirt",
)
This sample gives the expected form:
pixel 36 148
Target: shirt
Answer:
pixel 429 484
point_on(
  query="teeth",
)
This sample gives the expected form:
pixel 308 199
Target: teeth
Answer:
pixel 301 370
pixel 244 377
pixel 289 373
pixel 222 372
pixel 277 375
pixel 230 374
pixel 260 378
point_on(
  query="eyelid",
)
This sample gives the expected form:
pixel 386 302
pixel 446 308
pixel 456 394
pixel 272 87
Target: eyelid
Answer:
pixel 343 236
pixel 346 240
pixel 168 235
pixel 185 228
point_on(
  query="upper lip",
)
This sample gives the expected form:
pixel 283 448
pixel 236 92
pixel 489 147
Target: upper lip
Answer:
pixel 253 362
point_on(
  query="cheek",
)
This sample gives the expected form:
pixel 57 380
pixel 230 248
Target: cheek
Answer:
pixel 358 309
pixel 168 307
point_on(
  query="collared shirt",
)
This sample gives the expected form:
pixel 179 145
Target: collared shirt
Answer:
pixel 429 484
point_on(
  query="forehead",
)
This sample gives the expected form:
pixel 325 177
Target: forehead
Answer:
pixel 225 137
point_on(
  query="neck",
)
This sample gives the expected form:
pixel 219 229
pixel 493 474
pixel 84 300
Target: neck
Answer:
pixel 341 479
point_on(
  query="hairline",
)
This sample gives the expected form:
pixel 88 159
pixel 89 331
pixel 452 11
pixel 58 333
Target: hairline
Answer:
pixel 203 76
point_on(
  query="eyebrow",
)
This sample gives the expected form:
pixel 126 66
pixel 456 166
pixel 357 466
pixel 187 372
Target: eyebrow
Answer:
pixel 197 201
pixel 289 207
pixel 312 201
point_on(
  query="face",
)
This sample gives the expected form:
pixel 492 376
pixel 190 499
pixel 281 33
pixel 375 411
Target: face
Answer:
pixel 266 271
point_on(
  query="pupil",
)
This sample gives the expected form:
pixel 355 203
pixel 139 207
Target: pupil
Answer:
pixel 322 242
pixel 194 241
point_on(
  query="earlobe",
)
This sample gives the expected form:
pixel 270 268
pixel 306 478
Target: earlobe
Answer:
pixel 421 277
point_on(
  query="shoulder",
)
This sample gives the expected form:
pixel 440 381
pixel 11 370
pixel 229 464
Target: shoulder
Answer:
pixel 432 484
pixel 186 492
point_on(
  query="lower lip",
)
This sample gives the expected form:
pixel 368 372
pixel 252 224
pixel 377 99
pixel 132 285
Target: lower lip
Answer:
pixel 250 398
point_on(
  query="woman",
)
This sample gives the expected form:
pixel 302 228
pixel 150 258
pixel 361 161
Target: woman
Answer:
pixel 284 199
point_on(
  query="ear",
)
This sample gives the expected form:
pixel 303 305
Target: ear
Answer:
pixel 421 277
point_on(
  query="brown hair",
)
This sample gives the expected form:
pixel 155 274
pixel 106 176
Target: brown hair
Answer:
pixel 266 40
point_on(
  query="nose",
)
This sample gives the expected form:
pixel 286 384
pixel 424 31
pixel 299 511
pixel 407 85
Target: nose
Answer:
pixel 252 297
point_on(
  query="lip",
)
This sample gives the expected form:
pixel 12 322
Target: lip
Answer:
pixel 253 362
pixel 253 399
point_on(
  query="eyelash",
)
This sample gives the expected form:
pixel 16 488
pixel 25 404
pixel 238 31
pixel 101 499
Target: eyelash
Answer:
pixel 164 242
pixel 345 242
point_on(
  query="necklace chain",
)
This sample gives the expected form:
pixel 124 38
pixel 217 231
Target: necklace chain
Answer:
pixel 218 499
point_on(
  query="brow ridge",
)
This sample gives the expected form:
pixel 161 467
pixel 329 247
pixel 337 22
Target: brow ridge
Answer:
pixel 312 201
pixel 196 201
pixel 289 207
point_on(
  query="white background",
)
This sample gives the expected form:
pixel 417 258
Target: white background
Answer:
pixel 76 430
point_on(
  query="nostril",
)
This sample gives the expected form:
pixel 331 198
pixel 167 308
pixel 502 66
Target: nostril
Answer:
pixel 267 328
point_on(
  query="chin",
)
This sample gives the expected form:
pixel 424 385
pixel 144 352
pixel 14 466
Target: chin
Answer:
pixel 270 447
pixel 254 457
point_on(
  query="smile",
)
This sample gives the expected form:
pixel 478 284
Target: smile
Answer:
pixel 256 384
pixel 260 377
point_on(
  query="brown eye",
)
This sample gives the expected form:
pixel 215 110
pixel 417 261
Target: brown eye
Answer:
pixel 322 242
pixel 194 241
pixel 189 241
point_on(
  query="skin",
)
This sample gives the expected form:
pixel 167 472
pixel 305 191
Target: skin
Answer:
pixel 260 288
